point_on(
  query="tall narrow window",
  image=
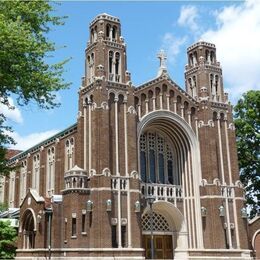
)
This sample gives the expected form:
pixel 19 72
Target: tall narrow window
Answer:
pixel 65 229
pixel 69 154
pixel 123 236
pixel 143 156
pixel 2 189
pixel 152 166
pixel 143 166
pixel 212 57
pixel 191 59
pixel 114 30
pixel 111 54
pixel 211 84
pixel 216 84
pixel 207 56
pixel 160 148
pixel 36 172
pixel 50 176
pixel 108 30
pixel 195 58
pixel 23 180
pixel 92 35
pixel 12 189
pixel 190 86
pixel 113 236
pixel 117 67
pixel 74 227
pixel 83 222
pixel 151 142
pixel 170 169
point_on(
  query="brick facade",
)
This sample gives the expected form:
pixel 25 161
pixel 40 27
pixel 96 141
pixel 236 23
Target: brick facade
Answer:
pixel 95 175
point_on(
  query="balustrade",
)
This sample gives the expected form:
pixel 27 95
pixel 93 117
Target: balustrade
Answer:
pixel 161 191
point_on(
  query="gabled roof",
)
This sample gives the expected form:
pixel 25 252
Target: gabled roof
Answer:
pixel 36 195
pixel 164 76
pixel 44 143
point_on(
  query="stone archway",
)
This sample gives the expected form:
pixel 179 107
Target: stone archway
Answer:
pixel 170 232
pixel 185 194
pixel 28 229
pixel 256 243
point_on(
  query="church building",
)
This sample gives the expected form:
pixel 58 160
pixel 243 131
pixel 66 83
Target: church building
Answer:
pixel 147 171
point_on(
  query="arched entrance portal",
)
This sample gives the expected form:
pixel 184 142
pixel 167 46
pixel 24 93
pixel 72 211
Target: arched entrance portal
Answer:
pixel 169 165
pixel 28 229
pixel 169 231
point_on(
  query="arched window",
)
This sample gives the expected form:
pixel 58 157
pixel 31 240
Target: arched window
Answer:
pixel 69 154
pixel 117 67
pixel 95 34
pixel 110 61
pixel 23 180
pixel 92 35
pixel 191 59
pixel 195 58
pixel 216 84
pixel 108 30
pixel 157 163
pixel 50 176
pixel 212 57
pixel 36 172
pixel 114 32
pixel 211 83
pixel 194 83
pixel 12 189
pixel 207 57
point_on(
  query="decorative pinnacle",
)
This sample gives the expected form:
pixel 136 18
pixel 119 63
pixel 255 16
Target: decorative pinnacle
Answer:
pixel 162 57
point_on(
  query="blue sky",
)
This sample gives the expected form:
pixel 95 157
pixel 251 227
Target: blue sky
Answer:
pixel 148 27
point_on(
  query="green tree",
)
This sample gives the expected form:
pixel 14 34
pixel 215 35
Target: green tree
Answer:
pixel 8 237
pixel 4 140
pixel 247 122
pixel 24 48
pixel 25 55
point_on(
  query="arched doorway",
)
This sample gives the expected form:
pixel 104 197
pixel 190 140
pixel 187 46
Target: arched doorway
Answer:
pixel 169 231
pixel 256 244
pixel 169 165
pixel 28 229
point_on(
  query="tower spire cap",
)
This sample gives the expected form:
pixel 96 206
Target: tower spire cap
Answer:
pixel 162 57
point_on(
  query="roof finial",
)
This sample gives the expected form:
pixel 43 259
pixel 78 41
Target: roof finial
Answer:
pixel 162 57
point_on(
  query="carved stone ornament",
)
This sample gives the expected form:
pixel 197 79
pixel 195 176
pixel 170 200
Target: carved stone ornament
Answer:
pixel 131 110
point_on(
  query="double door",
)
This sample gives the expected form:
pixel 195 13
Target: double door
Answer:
pixel 163 248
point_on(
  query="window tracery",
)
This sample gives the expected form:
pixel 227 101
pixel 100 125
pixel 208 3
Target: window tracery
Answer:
pixel 157 159
pixel 159 223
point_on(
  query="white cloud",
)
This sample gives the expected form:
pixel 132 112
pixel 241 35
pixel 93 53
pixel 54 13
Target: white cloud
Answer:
pixel 238 49
pixel 13 113
pixel 188 17
pixel 172 45
pixel 25 142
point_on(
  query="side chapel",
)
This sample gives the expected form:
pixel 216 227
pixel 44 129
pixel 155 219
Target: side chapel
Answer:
pixel 83 193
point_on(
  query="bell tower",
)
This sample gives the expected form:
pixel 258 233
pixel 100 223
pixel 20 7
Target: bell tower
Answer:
pixel 106 49
pixel 107 126
pixel 203 73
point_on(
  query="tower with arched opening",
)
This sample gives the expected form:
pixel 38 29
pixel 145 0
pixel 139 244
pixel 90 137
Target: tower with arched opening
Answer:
pixel 89 184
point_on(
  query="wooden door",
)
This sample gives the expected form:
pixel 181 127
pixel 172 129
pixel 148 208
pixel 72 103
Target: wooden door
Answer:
pixel 162 247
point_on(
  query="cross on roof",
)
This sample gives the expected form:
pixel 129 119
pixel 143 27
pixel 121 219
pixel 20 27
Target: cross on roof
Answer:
pixel 162 57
